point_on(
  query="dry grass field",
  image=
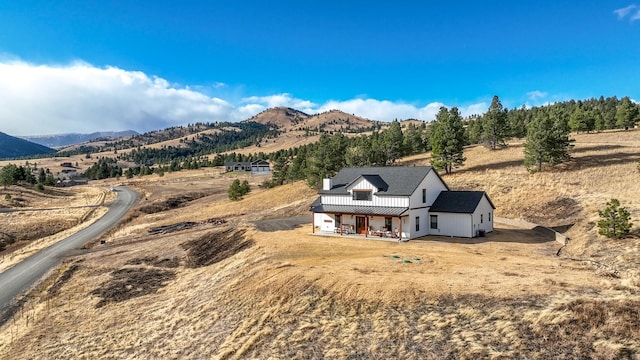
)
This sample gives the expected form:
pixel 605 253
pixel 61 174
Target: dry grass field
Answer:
pixel 238 282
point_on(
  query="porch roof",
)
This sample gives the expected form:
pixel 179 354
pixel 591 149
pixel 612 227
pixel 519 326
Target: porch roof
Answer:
pixel 360 210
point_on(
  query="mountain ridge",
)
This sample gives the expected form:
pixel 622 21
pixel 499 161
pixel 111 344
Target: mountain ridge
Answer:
pixel 60 140
pixel 15 147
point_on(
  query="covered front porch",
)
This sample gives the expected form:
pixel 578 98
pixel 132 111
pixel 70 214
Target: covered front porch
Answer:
pixel 374 222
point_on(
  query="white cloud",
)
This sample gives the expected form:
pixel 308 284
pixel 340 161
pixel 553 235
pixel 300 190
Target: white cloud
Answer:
pixel 386 110
pixel 79 97
pixel 41 99
pixel 632 11
pixel 536 94
pixel 277 100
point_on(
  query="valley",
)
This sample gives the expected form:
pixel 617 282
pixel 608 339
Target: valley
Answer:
pixel 247 279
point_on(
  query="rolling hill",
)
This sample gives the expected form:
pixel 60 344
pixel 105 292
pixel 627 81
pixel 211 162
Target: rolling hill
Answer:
pixel 262 286
pixel 70 139
pixel 13 147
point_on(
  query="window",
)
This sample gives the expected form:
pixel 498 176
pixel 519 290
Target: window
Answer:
pixel 362 195
pixel 489 217
pixel 424 195
pixel 387 223
pixel 434 221
pixel 338 220
pixel 417 223
pixel 481 218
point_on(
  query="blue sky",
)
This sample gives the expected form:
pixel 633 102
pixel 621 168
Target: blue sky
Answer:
pixel 79 66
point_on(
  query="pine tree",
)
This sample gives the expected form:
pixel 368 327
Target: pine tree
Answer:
pixel 627 114
pixel 394 142
pixel 614 220
pixel 235 190
pixel 547 142
pixel 495 127
pixel 447 142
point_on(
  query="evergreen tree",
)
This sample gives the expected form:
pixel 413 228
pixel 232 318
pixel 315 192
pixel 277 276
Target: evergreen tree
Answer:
pixel 412 140
pixel 235 190
pixel 614 220
pixel 547 142
pixel 326 159
pixel 393 142
pixel 627 114
pixel 447 143
pixel 581 120
pixel 42 176
pixel 494 124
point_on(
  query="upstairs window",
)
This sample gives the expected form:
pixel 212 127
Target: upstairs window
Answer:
pixel 424 196
pixel 362 195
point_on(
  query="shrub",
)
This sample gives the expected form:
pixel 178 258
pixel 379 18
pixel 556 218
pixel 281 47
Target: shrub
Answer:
pixel 237 189
pixel 614 220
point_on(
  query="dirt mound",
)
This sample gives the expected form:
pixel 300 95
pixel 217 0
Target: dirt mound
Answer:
pixel 216 246
pixel 561 211
pixel 184 225
pixel 64 278
pixel 155 261
pixel 6 239
pixel 130 283
pixel 171 203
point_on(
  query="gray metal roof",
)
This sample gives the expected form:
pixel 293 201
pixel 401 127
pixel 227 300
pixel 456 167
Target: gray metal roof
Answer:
pixel 359 210
pixel 399 180
pixel 458 201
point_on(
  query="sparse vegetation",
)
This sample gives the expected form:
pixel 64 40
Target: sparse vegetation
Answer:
pixel 238 189
pixel 248 291
pixel 614 221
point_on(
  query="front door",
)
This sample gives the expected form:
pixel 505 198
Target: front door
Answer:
pixel 361 225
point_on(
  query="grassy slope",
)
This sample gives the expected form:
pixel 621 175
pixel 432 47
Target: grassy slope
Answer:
pixel 293 295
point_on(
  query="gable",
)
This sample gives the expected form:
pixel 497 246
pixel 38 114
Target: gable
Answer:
pixel 459 201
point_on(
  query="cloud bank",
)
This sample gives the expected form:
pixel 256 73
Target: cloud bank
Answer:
pixel 45 99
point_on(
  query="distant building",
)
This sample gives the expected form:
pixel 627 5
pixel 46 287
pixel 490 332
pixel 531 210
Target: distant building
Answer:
pixel 258 166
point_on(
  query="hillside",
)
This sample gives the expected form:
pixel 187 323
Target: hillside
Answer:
pixel 245 279
pixel 13 147
pixel 61 140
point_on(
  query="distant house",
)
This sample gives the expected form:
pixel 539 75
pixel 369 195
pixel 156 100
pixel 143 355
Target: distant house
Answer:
pixel 72 182
pixel 68 173
pixel 258 166
pixel 400 202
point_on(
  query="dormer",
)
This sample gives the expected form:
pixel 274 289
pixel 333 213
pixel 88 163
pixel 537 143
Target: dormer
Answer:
pixel 364 186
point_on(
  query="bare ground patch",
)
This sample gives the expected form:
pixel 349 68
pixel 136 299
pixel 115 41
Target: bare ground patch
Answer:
pixel 129 283
pixel 288 223
pixel 171 203
pixel 215 246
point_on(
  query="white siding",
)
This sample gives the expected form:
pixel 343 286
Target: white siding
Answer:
pixel 450 224
pixel 387 201
pixel 325 222
pixel 423 214
pixel 433 185
pixel 484 208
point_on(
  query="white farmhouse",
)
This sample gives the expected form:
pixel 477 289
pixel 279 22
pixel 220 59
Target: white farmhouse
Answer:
pixel 401 202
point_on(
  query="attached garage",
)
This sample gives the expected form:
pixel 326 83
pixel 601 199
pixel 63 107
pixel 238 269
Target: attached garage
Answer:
pixel 461 214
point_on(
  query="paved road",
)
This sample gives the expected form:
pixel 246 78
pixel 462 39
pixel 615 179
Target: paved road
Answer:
pixel 21 277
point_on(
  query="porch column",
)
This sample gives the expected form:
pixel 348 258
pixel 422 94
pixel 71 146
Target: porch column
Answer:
pixel 313 223
pixel 366 226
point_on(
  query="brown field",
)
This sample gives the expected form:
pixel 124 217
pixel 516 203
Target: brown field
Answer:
pixel 233 291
